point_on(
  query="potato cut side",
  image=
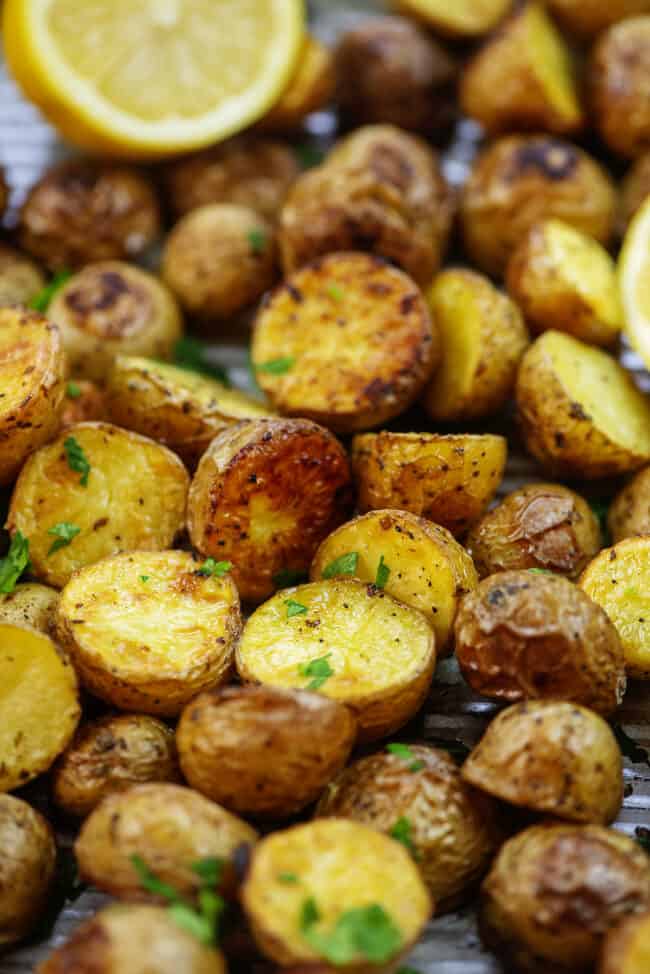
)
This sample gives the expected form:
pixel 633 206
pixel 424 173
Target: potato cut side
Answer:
pixel 463 18
pixel 147 630
pixel 30 605
pixel 627 947
pixel 350 641
pixel 39 704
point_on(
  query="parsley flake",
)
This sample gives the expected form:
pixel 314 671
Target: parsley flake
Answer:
pixel 540 571
pixel 203 920
pixel 72 390
pixel 309 155
pixel 43 299
pixel 276 366
pixel 64 532
pixel 295 608
pixel 335 292
pixel 77 459
pixel 290 879
pixel 209 869
pixel 367 933
pixel 402 832
pixel 343 565
pixel 642 836
pixel 14 563
pixel 214 569
pixel 144 578
pixel 383 572
pixel 600 507
pixel 257 240
pixel 288 577
pixel 318 669
pixel 192 354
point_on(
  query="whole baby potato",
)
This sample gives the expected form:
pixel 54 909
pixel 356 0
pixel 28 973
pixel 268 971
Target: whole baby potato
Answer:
pixel 20 278
pixel 619 81
pixel 629 514
pixel 27 863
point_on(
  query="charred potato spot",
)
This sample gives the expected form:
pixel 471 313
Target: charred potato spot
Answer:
pixel 310 89
pixel 586 18
pixel 27 863
pixel 629 513
pixel 30 605
pixel 464 18
pixel 85 402
pixel 626 949
pixel 20 278
pixel 619 79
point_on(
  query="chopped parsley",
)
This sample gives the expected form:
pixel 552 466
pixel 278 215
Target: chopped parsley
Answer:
pixel 72 390
pixel 540 571
pixel 383 572
pixel 288 577
pixel 257 240
pixel 214 569
pixel 144 578
pixel 43 299
pixel 276 366
pixel 319 670
pixel 64 532
pixel 290 879
pixel 402 831
pixel 367 932
pixel 600 507
pixel 642 836
pixel 309 155
pixel 629 747
pixel 77 459
pixel 335 292
pixel 14 563
pixel 202 920
pixel 404 752
pixel 343 565
pixel 295 608
pixel 192 354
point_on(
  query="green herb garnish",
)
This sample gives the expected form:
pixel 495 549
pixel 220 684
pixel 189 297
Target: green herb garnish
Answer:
pixel 629 747
pixel 64 532
pixel 335 292
pixel 144 578
pixel 214 569
pixel 308 155
pixel 367 932
pixel 343 565
pixel 44 297
pixel 318 669
pixel 289 878
pixel 404 752
pixel 190 353
pixel 600 507
pixel 14 563
pixel 642 836
pixel 383 572
pixel 72 390
pixel 295 608
pixel 540 571
pixel 288 577
pixel 202 920
pixel 257 240
pixel 276 366
pixel 402 832
pixel 77 459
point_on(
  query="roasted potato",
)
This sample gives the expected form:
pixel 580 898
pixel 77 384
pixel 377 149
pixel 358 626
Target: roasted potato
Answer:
pixel 82 211
pixel 634 190
pixel 380 190
pixel 463 18
pixel 616 580
pixel 31 378
pixel 310 89
pixel 346 341
pixel 416 561
pixel 629 513
pixel 148 630
pixel 518 181
pixel 84 402
pixel 619 86
pixel 112 308
pixel 109 490
pixel 170 828
pixel 555 890
pixel 483 337
pixel 520 635
pixel 39 705
pixel 586 18
pixel 132 939
pixel 321 636
pixel 552 757
pixel 27 863
pixel 341 868
pixel 542 526
pixel 265 494
pixel 263 752
pixel 626 949
pixel 523 77
pixel 219 259
pixel 20 278
pixel 580 413
pixel 30 605
pixel 110 755
pixel 451 829
pixel 447 479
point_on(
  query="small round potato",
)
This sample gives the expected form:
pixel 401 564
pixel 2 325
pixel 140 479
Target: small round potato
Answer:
pixel 552 757
pixel 619 79
pixel 447 479
pixel 132 497
pixel 626 949
pixel 518 181
pixel 263 752
pixel 112 308
pixel 586 18
pixel 27 864
pixel 31 378
pixel 629 513
pixel 310 89
pixel 20 278
pixel 451 828
pixel 522 635
pixel 463 18
pixel 634 190
pixel 555 890
pixel 219 259
pixel 82 211
pixel 346 341
pixel 338 866
pixel 350 641
pixel 265 494
pixel 544 526
pixel 133 939
pixel 110 755
pixel 170 828
pixel 147 631
pixel 483 338
pixel 30 605
pixel 84 402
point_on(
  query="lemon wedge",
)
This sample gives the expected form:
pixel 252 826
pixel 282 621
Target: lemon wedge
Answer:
pixel 152 78
pixel 634 279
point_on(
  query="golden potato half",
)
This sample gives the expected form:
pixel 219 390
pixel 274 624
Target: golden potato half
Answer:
pixel 350 641
pixel 30 605
pixel 626 949
pixel 629 513
pixel 338 867
pixel 27 865
pixel 39 704
pixel 619 82
pixel 20 278
pixel 463 18
pixel 414 560
pixel 310 89
pixel 134 498
pixel 447 479
pixel 580 412
pixel 148 630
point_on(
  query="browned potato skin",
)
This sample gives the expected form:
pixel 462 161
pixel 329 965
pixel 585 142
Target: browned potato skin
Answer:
pixel 263 752
pixel 519 180
pixel 634 189
pixel 538 526
pixel 20 278
pixel 586 18
pixel 626 949
pixel 30 604
pixel 550 756
pixel 89 407
pixel 81 211
pixel 109 755
pixel 554 891
pixel 619 86
pixel 629 514
pixel 27 863
pixel 453 827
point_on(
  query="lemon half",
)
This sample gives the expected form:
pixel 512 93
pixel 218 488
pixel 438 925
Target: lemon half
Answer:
pixel 634 278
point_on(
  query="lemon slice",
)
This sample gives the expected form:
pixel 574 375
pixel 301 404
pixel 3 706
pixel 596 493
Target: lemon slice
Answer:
pixel 152 78
pixel 634 278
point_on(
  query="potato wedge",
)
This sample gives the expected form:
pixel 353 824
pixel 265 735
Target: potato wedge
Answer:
pixel 30 605
pixel 134 498
pixel 84 403
pixel 21 279
pixel 346 341
pixel 447 479
pixel 265 494
pixel 463 18
pixel 27 865
pixel 321 636
pixel 39 704
pixel 341 867
pixel 626 949
pixel 619 86
pixel 414 560
pixel 310 89
pixel 483 337
pixel 629 512
pixel 147 631
pixel 568 424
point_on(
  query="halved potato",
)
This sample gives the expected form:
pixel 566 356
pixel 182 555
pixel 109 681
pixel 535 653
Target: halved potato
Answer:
pixel 350 641
pixel 346 341
pixel 629 513
pixel 338 867
pixel 21 279
pixel 463 18
pixel 39 704
pixel 31 605
pixel 311 88
pixel 265 494
pixel 626 949
pixel 148 630
pixel 483 337
pixel 84 403
pixel 134 498
pixel 447 479
pixel 414 560
pixel 27 867
pixel 580 412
